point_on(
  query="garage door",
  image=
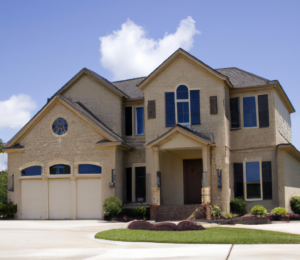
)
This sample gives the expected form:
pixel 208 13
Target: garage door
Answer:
pixel 89 198
pixel 60 199
pixel 34 199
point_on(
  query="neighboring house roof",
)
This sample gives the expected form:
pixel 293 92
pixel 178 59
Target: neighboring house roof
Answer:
pixel 16 146
pixel 129 87
pixel 78 108
pixel 289 148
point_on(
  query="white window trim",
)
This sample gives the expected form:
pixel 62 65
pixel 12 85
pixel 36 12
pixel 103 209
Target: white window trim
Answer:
pixel 245 183
pixel 188 125
pixel 256 107
pixel 135 120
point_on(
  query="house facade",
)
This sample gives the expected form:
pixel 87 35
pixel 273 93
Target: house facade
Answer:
pixel 186 134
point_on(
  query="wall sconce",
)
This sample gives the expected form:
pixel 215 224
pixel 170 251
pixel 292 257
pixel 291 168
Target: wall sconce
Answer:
pixel 219 171
pixel 112 184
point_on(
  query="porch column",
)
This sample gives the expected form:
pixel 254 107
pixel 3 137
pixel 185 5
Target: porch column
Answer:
pixel 206 195
pixel 156 168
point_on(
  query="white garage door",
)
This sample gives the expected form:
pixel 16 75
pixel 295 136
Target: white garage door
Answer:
pixel 34 204
pixel 89 198
pixel 60 199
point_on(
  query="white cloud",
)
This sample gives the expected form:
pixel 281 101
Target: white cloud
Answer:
pixel 3 162
pixel 16 111
pixel 128 53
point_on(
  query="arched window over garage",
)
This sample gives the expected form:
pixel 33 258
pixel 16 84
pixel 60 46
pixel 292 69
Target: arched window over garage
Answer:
pixel 32 171
pixel 89 169
pixel 60 169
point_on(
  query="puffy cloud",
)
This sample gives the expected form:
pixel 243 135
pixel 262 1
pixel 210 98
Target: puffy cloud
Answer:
pixel 16 111
pixel 129 53
pixel 3 162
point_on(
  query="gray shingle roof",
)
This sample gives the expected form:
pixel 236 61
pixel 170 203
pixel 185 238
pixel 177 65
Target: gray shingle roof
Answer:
pixel 129 87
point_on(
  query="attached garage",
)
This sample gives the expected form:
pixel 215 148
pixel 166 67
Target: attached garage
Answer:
pixel 89 198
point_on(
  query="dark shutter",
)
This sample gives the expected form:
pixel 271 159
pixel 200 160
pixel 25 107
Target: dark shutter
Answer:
pixel 129 184
pixel 213 105
pixel 151 109
pixel 238 180
pixel 128 120
pixel 170 109
pixel 140 184
pixel 195 107
pixel 263 110
pixel 267 180
pixel 235 112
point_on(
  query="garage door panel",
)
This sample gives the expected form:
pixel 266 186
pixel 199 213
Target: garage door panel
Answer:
pixel 60 199
pixel 89 198
pixel 34 204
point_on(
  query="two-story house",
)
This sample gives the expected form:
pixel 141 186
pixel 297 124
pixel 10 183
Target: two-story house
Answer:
pixel 185 134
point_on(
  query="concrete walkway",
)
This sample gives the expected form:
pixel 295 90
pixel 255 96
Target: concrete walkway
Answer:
pixel 75 240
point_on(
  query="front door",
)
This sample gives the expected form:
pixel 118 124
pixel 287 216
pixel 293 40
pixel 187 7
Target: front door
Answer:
pixel 192 172
pixel 140 184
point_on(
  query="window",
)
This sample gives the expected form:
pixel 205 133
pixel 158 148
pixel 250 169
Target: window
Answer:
pixel 89 169
pixel 60 126
pixel 31 171
pixel 60 169
pixel 253 180
pixel 249 106
pixel 182 99
pixel 139 121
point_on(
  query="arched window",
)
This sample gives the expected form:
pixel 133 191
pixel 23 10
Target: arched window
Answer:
pixel 32 171
pixel 60 169
pixel 183 105
pixel 89 169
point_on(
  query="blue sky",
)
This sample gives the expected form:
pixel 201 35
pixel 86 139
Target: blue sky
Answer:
pixel 45 43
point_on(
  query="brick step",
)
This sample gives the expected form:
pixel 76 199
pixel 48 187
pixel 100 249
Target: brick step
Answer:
pixel 175 213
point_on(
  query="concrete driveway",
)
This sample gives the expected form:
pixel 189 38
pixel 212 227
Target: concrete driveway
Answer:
pixel 75 240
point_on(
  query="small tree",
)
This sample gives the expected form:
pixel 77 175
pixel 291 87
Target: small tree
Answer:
pixel 1 146
pixel 3 188
pixel 112 207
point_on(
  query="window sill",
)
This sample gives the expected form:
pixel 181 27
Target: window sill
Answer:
pixel 30 177
pixel 253 199
pixel 88 176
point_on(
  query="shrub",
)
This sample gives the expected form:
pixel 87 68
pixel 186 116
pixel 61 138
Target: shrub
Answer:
pixel 165 226
pixel 258 210
pixel 112 207
pixel 295 204
pixel 8 210
pixel 139 213
pixel 238 206
pixel 279 211
pixel 141 224
pixel 188 225
pixel 216 211
pixel 228 215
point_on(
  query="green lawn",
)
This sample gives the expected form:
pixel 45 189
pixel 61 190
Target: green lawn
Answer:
pixel 214 235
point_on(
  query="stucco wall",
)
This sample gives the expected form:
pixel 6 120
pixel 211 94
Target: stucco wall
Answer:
pixel 283 122
pixel 105 104
pixel 43 147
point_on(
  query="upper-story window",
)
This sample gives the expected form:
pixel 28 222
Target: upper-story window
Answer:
pixel 182 100
pixel 60 126
pixel 182 107
pixel 249 108
pixel 60 169
pixel 139 121
pixel 31 171
pixel 89 169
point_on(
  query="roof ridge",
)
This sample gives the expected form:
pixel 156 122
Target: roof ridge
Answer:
pixel 128 79
pixel 249 73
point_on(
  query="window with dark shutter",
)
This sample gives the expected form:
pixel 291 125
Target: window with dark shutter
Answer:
pixel 213 105
pixel 128 121
pixel 170 109
pixel 235 112
pixel 151 109
pixel 263 110
pixel 238 180
pixel 267 180
pixel 195 107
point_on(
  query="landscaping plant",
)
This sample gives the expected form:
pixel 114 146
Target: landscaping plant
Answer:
pixel 8 210
pixel 279 211
pixel 112 207
pixel 258 210
pixel 216 211
pixel 295 204
pixel 238 206
pixel 140 213
pixel 228 215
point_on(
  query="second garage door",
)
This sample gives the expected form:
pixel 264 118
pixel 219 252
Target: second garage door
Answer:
pixel 89 198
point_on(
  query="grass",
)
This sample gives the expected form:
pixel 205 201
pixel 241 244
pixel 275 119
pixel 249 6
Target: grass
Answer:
pixel 214 235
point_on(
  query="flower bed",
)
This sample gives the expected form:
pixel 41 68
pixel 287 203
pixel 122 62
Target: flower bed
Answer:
pixel 275 217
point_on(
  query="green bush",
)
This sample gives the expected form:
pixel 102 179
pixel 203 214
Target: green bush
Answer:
pixel 228 215
pixel 238 206
pixel 295 204
pixel 140 213
pixel 112 207
pixel 258 210
pixel 216 211
pixel 8 210
pixel 279 211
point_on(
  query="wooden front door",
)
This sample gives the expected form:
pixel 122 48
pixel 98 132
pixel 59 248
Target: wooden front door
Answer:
pixel 192 174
